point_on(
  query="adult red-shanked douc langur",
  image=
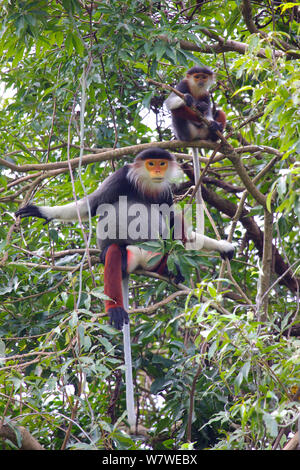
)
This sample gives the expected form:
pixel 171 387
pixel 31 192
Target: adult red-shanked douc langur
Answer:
pixel 186 124
pixel 133 205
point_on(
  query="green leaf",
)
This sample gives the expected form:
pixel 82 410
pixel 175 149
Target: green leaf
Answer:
pixel 53 234
pixel 78 44
pixel 271 424
pixel 269 200
pixel 159 385
pixel 98 292
pixel 69 44
pixel 240 90
pixel 159 49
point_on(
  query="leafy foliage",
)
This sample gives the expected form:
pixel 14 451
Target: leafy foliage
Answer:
pixel 212 368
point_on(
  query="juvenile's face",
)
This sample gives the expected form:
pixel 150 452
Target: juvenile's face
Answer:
pixel 157 169
pixel 199 83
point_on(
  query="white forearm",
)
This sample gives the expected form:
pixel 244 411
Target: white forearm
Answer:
pixel 195 241
pixel 66 212
pixel 173 102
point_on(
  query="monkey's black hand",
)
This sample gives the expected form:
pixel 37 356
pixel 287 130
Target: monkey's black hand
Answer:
pixel 189 100
pixel 118 316
pixel 31 211
pixel 227 253
pixel 215 126
pixel 179 276
pixel 202 106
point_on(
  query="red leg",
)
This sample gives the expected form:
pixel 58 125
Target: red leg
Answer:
pixel 184 112
pixel 113 286
pixel 220 117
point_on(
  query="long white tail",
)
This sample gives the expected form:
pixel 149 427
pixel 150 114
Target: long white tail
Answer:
pixel 128 362
pixel 199 200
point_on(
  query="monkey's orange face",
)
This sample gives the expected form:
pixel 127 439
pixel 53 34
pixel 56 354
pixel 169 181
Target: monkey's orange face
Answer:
pixel 157 168
pixel 201 79
pixel 199 83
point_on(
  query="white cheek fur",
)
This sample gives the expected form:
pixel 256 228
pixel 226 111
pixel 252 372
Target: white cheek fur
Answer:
pixel 139 176
pixel 197 90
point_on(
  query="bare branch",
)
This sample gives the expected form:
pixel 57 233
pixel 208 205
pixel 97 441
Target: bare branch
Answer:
pixel 266 268
pixel 248 18
pixel 223 45
pixel 28 442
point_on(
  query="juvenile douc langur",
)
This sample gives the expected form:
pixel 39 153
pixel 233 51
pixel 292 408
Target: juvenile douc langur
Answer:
pixel 134 204
pixel 186 123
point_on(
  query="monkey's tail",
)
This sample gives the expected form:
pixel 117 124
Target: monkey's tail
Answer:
pixel 128 362
pixel 199 200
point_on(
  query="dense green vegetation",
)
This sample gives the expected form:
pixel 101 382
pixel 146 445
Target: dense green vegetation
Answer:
pixel 217 362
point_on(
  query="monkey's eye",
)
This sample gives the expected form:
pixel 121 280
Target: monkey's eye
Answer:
pixel 201 76
pixel 162 163
pixel 151 163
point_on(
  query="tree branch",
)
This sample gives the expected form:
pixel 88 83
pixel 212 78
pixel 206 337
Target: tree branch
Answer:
pixel 265 274
pixel 222 45
pixel 241 171
pixel 254 233
pixel 248 18
pixel 28 442
pixel 104 156
pixel 293 443
pixel 247 15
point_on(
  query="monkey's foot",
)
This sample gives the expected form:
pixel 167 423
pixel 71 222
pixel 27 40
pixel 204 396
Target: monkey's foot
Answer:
pixel 118 316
